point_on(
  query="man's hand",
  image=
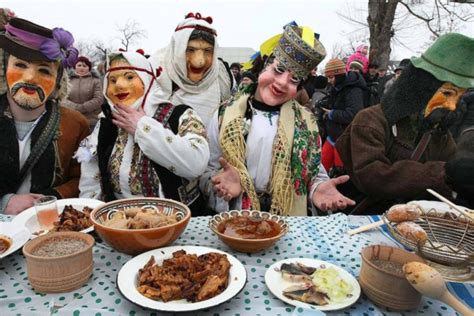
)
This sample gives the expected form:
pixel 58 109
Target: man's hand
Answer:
pixel 227 183
pixel 20 202
pixel 327 197
pixel 127 118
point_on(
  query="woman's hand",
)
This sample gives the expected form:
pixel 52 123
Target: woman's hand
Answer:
pixel 127 118
pixel 227 183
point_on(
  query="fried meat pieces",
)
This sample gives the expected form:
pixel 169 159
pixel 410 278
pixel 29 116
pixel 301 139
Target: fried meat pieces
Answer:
pixel 73 220
pixel 185 276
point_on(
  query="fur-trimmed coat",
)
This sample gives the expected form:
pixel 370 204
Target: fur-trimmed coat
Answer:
pixel 379 162
pixel 56 173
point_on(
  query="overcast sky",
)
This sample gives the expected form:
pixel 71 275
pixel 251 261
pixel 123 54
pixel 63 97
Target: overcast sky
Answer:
pixel 242 23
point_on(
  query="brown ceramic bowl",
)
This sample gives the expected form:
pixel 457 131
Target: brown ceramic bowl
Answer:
pixel 248 245
pixel 384 286
pixel 136 241
pixel 59 273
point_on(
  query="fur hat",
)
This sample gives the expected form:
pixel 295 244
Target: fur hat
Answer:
pixel 403 64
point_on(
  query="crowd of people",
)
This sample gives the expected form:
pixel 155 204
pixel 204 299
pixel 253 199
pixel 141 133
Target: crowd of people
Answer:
pixel 276 137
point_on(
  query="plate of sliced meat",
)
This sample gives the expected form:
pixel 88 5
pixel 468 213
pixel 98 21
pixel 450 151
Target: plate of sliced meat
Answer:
pixel 181 278
pixel 312 284
pixel 73 216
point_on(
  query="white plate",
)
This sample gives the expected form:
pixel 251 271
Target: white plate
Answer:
pixel 19 235
pixel 28 218
pixel 128 275
pixel 277 284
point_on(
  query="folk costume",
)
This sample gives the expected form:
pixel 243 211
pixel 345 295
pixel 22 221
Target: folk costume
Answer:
pixel 36 156
pixel 274 148
pixel 174 83
pixel 396 150
pixel 168 151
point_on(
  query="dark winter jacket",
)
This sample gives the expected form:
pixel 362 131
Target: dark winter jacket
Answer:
pixel 348 100
pixel 379 163
pixel 371 95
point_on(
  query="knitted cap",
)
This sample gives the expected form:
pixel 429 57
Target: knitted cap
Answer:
pixel 357 64
pixel 334 67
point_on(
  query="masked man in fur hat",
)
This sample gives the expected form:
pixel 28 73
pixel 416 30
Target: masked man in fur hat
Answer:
pixel 192 73
pixel 264 146
pixel 396 150
pixel 38 137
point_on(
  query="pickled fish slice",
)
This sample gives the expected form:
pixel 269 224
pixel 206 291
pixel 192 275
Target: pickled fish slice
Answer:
pixel 307 295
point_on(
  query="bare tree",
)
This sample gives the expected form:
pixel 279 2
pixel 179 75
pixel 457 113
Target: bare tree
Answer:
pixel 440 16
pixel 96 50
pixel 389 22
pixel 380 20
pixel 343 50
pixel 130 33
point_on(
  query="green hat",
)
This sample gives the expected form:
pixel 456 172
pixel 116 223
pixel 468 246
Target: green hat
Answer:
pixel 450 59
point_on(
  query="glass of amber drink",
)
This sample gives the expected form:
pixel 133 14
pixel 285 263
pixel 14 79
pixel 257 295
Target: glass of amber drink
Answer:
pixel 46 211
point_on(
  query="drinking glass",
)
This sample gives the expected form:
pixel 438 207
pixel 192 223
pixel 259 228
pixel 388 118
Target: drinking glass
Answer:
pixel 46 211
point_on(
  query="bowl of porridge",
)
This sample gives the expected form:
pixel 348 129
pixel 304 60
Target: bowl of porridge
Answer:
pixel 382 279
pixel 59 262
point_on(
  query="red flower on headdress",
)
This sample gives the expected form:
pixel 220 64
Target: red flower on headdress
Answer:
pixel 158 71
pixel 198 16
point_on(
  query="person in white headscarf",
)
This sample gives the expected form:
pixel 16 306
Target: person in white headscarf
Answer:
pixel 192 73
pixel 141 146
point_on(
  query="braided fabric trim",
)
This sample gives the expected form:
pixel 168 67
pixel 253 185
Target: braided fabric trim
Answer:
pixel 48 134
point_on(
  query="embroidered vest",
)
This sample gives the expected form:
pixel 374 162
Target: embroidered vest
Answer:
pixel 174 187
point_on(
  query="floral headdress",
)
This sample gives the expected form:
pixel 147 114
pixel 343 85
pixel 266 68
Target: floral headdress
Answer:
pixel 30 41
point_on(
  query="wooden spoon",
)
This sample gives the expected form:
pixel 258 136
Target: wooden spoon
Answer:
pixel 429 282
pixel 365 227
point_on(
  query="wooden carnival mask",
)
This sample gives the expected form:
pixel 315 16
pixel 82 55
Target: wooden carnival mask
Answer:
pixel 199 58
pixel 447 96
pixel 124 86
pixel 30 83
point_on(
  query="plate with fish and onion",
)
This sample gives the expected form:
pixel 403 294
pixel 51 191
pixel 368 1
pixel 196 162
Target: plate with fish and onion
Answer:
pixel 312 283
